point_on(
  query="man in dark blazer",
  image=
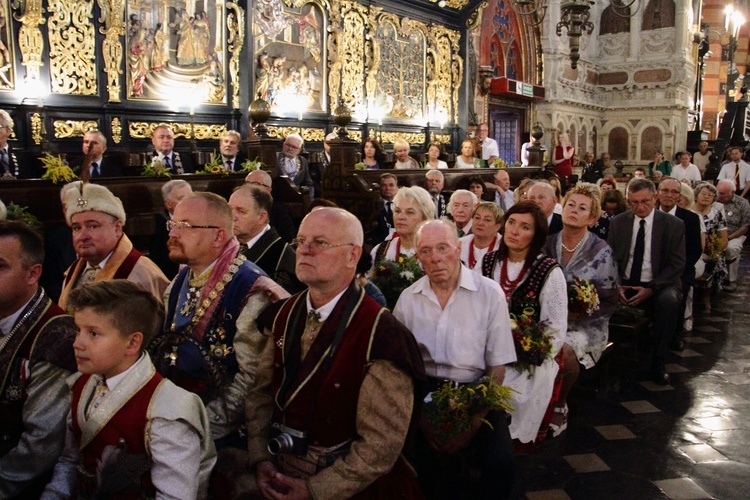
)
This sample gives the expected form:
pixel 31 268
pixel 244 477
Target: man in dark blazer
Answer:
pixel 543 194
pixel 100 166
pixel 388 189
pixel 259 242
pixel 649 246
pixel 434 183
pixel 291 164
pixel 14 164
pixel 172 192
pixel 163 140
pixel 231 156
pixel 280 216
pixel 669 194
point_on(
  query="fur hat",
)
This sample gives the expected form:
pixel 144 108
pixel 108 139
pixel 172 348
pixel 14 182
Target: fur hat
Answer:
pixel 93 197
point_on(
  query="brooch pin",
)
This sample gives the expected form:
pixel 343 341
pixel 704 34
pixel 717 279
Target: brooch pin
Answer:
pixel 172 356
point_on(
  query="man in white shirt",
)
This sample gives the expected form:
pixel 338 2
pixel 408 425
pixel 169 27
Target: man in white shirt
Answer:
pixel 736 171
pixel 461 323
pixel 702 157
pixel 490 151
pixel 685 169
pixel 461 205
pixel 504 196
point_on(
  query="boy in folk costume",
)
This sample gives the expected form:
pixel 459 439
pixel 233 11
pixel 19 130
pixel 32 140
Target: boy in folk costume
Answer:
pixel 130 431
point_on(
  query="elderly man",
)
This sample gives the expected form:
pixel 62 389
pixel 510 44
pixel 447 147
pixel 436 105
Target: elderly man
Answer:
pixel 104 251
pixel 738 220
pixel 259 242
pixel 649 246
pixel 289 163
pixel 434 183
pixel 385 227
pixel 591 170
pixel 702 157
pixel 163 140
pixel 280 216
pixel 210 344
pixel 604 165
pixel 229 146
pixel 348 384
pixel 490 151
pixel 36 356
pixel 669 195
pixel 461 322
pixel 95 145
pixel 504 196
pixel 737 171
pixel 172 192
pixel 9 164
pixel 543 194
pixel 461 205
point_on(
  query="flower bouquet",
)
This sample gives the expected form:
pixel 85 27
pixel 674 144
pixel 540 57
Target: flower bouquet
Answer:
pixel 57 169
pixel 215 166
pixel 360 166
pixel 532 340
pixel 451 408
pixel 251 165
pixel 582 297
pixel 499 163
pixel 713 246
pixel 155 169
pixel 393 277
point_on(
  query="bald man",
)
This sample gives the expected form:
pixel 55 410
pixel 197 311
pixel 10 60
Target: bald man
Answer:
pixel 341 427
pixel 543 194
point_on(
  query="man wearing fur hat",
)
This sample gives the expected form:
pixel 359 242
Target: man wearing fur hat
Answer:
pixel 96 217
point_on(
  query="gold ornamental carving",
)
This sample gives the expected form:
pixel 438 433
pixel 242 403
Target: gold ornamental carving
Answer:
pixel 444 139
pixel 37 132
pixel 308 134
pixel 236 33
pixel 355 135
pixel 71 53
pixel 30 39
pixel 114 27
pixel 7 58
pixel 144 130
pixel 65 129
pixel 411 138
pixel 351 47
pixel 116 127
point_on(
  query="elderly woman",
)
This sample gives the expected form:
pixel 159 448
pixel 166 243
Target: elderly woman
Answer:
pixel 433 156
pixel 606 184
pixel 714 220
pixel 581 254
pixel 485 225
pixel 521 193
pixel 403 160
pixel 412 206
pixel 467 158
pixel 534 285
pixel 372 154
pixel 659 164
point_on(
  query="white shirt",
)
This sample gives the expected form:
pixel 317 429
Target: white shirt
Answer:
pixel 646 273
pixel 489 148
pixel 690 172
pixel 7 324
pixel 470 334
pixel 729 170
pixel 467 228
pixel 255 238
pixel 325 310
pixel 232 160
pixel 460 163
pixel 479 253
pixel 525 154
pixel 701 161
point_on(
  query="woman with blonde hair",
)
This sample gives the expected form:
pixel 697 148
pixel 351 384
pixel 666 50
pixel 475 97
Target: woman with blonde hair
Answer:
pixel 486 220
pixel 521 193
pixel 467 158
pixel 403 160
pixel 562 157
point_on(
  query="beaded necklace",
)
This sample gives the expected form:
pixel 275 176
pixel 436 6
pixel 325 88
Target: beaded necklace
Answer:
pixel 578 245
pixel 472 259
pixel 509 285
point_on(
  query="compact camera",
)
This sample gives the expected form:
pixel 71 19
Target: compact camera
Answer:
pixel 287 440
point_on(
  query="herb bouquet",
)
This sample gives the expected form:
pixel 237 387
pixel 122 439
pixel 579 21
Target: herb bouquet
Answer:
pixel 532 340
pixel 451 408
pixel 393 277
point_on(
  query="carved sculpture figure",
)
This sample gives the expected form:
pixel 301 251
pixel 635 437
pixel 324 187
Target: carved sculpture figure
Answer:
pixel 159 49
pixel 201 38
pixel 186 41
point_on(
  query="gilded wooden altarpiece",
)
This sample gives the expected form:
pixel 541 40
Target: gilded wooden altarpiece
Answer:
pixel 7 60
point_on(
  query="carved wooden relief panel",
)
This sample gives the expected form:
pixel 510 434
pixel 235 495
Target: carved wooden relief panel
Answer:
pixel 7 61
pixel 70 31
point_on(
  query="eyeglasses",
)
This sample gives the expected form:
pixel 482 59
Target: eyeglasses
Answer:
pixel 315 246
pixel 180 225
pixel 440 250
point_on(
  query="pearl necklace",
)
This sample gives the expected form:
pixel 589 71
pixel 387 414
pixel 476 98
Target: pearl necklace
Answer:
pixel 572 250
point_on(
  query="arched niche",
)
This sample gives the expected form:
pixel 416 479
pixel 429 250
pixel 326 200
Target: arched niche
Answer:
pixel 651 140
pixel 617 143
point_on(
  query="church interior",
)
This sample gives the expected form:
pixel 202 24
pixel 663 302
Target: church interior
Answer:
pixel 624 77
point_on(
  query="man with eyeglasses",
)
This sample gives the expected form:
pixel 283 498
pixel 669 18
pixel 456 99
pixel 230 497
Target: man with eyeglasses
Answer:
pixel 669 196
pixel 339 380
pixel 104 251
pixel 460 321
pixel 290 164
pixel 650 249
pixel 10 168
pixel 210 344
pixel 280 217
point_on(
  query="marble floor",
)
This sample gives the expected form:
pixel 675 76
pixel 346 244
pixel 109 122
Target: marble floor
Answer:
pixel 687 440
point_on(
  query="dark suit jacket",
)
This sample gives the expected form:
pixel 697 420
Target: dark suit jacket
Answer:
pixel 693 248
pixel 238 161
pixel 555 225
pixel 384 223
pixel 106 167
pixel 667 247
pixel 28 166
pixel 441 206
pixel 280 219
pixel 272 254
pixel 303 171
pixel 59 254
pixel 186 159
pixel 157 246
